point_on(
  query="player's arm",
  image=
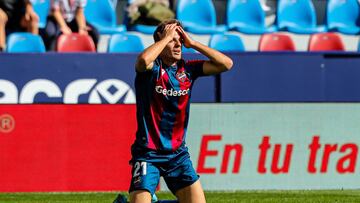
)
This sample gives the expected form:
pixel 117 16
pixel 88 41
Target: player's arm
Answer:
pixel 217 63
pixel 145 60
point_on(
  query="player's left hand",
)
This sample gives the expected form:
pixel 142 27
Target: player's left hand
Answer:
pixel 187 41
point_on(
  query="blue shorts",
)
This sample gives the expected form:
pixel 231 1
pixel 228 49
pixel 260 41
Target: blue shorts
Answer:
pixel 175 167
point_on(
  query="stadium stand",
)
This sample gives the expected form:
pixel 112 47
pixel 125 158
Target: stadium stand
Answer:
pixel 24 42
pixel 343 16
pixel 298 17
pixel 143 16
pixel 198 17
pixel 101 14
pixel 125 42
pixel 42 8
pixel 276 42
pixel 188 50
pixel 326 42
pixel 247 17
pixel 226 42
pixel 75 43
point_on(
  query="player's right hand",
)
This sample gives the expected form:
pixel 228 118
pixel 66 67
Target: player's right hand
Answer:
pixel 169 31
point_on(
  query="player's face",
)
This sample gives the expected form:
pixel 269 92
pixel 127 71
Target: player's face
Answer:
pixel 173 48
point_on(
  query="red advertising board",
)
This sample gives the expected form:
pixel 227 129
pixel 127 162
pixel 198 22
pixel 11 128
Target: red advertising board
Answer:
pixel 65 147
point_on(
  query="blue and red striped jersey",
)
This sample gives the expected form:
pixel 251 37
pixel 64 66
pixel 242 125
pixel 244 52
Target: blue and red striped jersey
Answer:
pixel 163 104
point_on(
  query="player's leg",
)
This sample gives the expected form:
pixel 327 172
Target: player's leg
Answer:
pixel 140 196
pixel 191 194
pixel 145 178
pixel 182 179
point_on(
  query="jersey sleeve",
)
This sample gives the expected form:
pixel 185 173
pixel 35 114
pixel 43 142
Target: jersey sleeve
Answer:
pixel 154 70
pixel 195 68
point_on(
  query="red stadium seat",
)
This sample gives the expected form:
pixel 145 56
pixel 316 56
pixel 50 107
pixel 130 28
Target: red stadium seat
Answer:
pixel 276 42
pixel 325 42
pixel 75 43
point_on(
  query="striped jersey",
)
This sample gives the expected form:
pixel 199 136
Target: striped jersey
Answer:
pixel 163 104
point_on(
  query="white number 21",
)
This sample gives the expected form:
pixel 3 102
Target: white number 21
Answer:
pixel 139 169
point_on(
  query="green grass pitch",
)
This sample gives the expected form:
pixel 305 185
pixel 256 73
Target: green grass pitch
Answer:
pixel 320 196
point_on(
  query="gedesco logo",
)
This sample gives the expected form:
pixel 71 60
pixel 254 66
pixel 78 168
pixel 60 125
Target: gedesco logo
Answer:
pixel 110 91
pixel 171 92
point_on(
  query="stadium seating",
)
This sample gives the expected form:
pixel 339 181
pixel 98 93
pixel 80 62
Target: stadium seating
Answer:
pixel 326 42
pixel 125 42
pixel 75 43
pixel 198 16
pixel 247 17
pixel 276 42
pixel 297 16
pixel 188 50
pixel 101 14
pixel 24 42
pixel 226 42
pixel 42 9
pixel 146 29
pixel 343 16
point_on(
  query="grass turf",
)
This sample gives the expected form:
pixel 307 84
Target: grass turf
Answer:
pixel 321 196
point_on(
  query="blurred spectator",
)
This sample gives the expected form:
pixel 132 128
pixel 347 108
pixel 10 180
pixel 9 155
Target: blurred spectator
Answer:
pixel 17 15
pixel 67 16
pixel 269 6
pixel 149 12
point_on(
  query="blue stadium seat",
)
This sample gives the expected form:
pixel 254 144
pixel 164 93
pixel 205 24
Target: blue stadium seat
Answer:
pixel 226 42
pixel 102 15
pixel 146 29
pixel 125 42
pixel 343 16
pixel 24 42
pixel 247 17
pixel 297 16
pixel 42 9
pixel 188 50
pixel 198 16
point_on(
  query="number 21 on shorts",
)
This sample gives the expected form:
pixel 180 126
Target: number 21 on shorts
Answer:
pixel 139 169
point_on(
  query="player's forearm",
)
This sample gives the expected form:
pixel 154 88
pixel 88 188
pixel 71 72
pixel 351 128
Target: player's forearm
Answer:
pixel 222 61
pixel 149 55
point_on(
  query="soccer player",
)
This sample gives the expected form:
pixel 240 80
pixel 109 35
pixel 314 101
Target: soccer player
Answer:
pixel 163 88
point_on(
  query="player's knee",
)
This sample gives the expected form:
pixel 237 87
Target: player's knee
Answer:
pixel 191 194
pixel 140 196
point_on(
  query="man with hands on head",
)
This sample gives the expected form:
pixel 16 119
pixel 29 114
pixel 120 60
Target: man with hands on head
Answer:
pixel 163 89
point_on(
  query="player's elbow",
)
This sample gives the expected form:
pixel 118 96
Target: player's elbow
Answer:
pixel 227 64
pixel 142 62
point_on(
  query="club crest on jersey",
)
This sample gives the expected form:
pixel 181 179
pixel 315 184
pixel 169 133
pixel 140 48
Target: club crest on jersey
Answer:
pixel 181 76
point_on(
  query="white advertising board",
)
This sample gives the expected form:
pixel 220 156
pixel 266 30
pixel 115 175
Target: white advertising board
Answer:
pixel 275 145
